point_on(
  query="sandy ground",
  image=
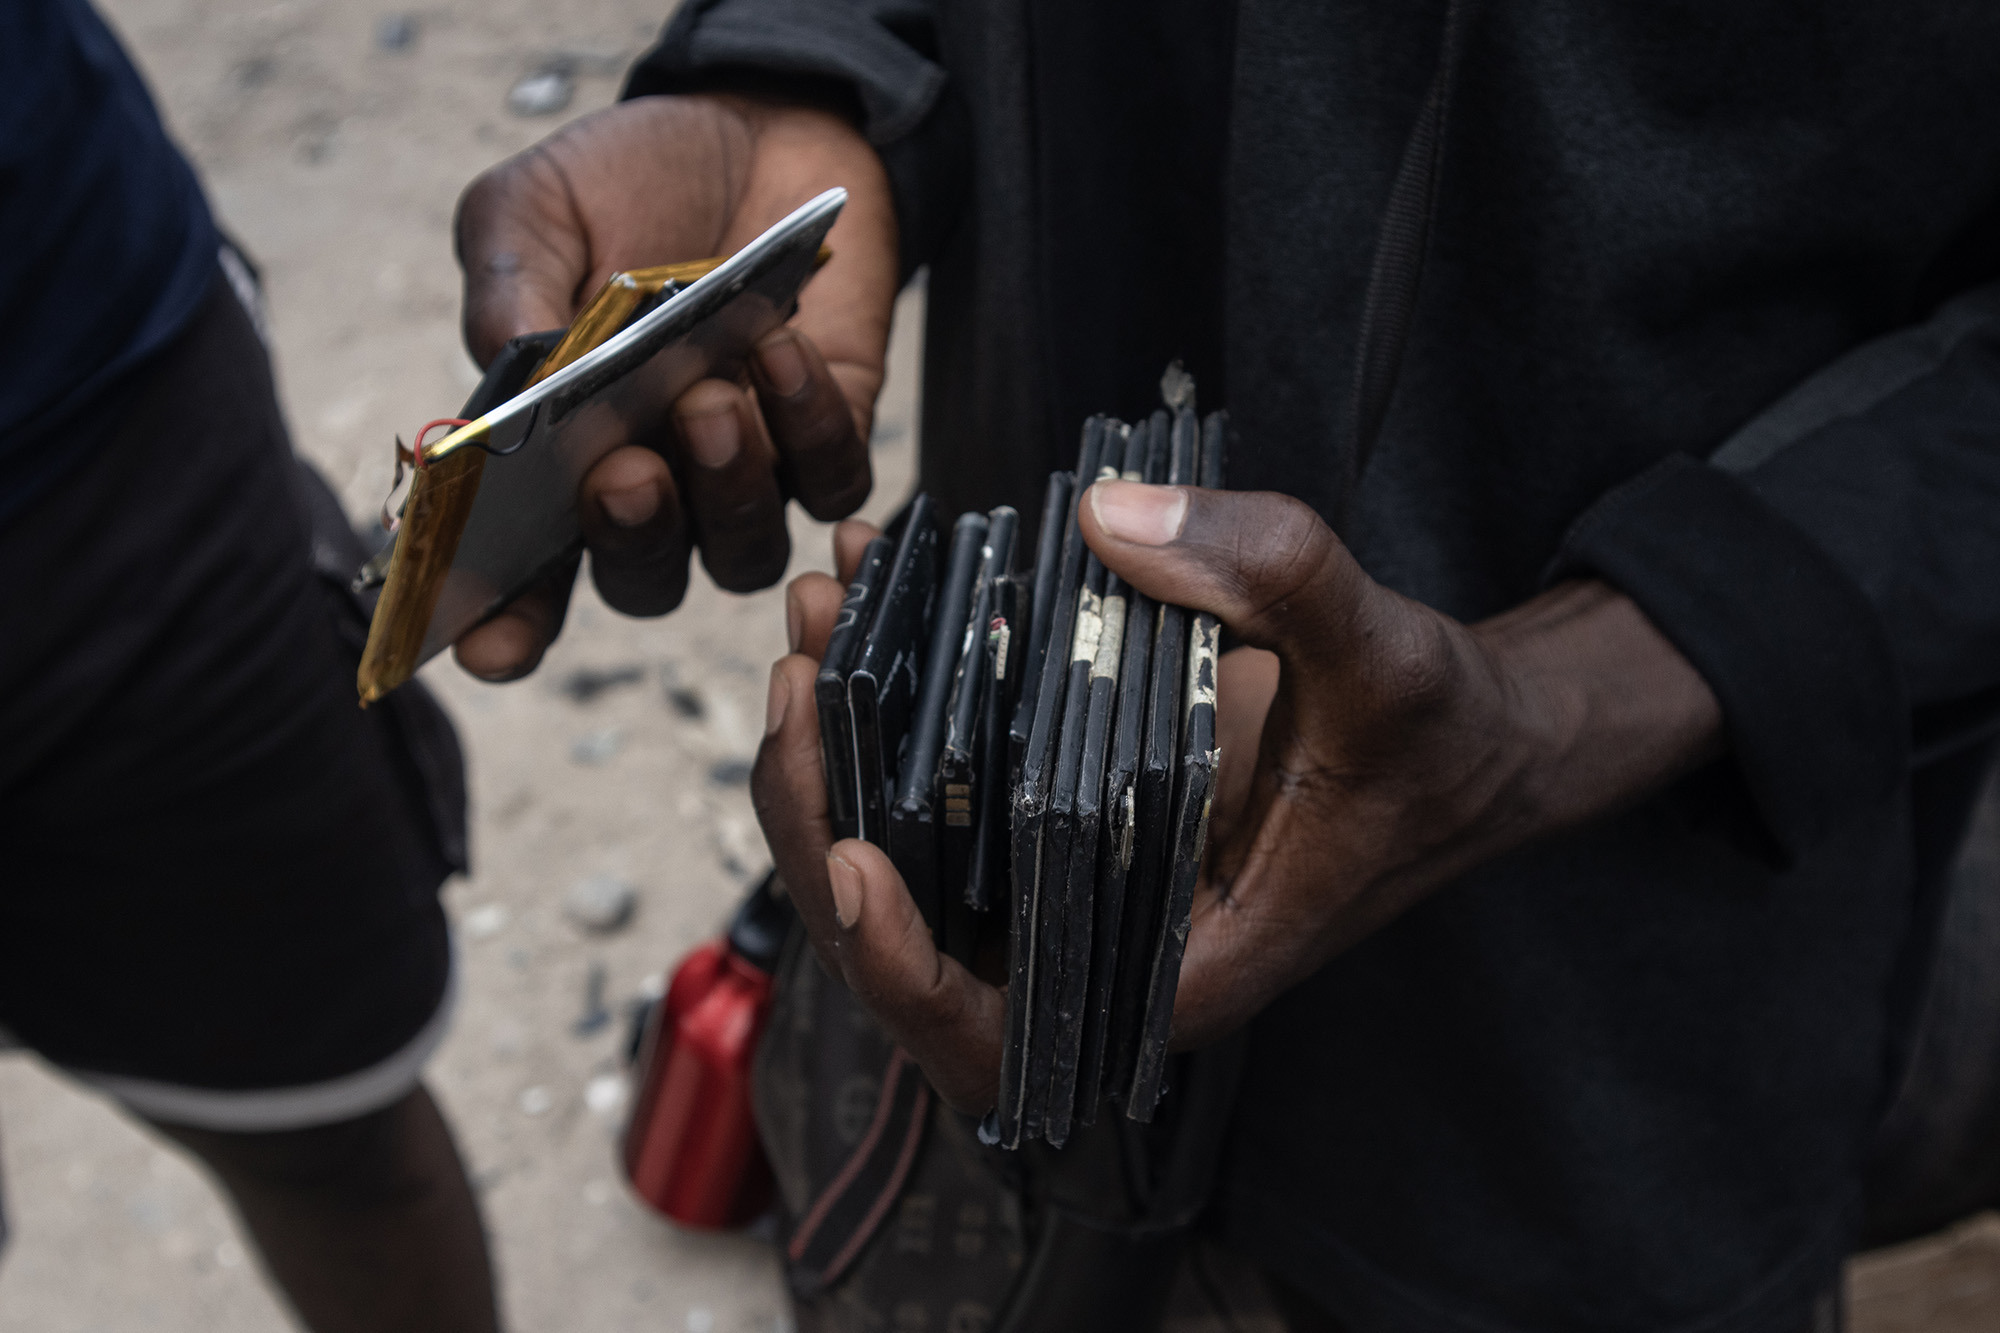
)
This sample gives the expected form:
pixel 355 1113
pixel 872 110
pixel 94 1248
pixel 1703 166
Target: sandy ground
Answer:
pixel 336 160
pixel 337 163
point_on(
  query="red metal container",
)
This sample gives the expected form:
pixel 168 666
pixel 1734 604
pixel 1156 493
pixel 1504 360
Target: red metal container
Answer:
pixel 691 1148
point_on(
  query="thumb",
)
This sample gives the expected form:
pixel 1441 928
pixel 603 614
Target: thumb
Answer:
pixel 1262 563
pixel 949 1021
pixel 524 251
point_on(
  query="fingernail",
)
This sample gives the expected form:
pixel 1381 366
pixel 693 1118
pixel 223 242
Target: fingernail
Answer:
pixel 777 702
pixel 1134 512
pixel 632 507
pixel 846 881
pixel 711 437
pixel 784 364
pixel 795 626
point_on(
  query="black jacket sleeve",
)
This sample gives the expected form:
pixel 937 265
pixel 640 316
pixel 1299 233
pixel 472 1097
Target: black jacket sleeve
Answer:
pixel 883 54
pixel 1833 570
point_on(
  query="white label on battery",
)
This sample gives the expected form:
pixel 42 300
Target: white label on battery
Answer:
pixel 1110 640
pixel 1201 661
pixel 1089 625
pixel 1125 841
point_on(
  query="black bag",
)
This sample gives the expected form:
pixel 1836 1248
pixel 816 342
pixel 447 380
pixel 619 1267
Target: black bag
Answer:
pixel 894 1215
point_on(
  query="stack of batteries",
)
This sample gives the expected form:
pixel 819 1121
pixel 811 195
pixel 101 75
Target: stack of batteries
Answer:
pixel 1035 749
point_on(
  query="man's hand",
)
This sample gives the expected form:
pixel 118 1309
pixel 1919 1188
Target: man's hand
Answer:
pixel 657 180
pixel 1373 749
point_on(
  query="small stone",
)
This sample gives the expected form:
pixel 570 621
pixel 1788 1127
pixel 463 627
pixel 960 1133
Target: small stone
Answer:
pixel 395 32
pixel 595 1017
pixel 597 747
pixel 254 72
pixel 537 1100
pixel 586 683
pixel 605 1094
pixel 485 922
pixel 601 903
pixel 541 94
pixel 638 1013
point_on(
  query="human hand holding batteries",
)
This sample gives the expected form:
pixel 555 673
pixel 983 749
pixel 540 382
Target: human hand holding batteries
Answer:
pixel 658 180
pixel 1398 748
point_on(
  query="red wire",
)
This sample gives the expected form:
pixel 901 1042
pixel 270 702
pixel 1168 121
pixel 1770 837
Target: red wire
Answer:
pixel 416 456
pixel 417 451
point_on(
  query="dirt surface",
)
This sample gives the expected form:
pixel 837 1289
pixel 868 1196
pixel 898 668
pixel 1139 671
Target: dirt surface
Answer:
pixel 337 163
pixel 335 156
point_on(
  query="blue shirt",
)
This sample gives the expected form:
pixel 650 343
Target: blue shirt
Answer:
pixel 106 244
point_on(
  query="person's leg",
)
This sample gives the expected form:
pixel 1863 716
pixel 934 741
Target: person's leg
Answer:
pixel 220 907
pixel 369 1225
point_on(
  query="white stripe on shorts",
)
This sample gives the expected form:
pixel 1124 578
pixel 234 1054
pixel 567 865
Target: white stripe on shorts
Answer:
pixel 258 1110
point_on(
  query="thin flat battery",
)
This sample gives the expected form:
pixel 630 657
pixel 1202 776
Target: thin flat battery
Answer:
pixel 959 793
pixel 1006 664
pixel 1146 883
pixel 1194 791
pixel 1029 809
pixel 913 832
pixel 1145 460
pixel 843 649
pixel 1042 612
pixel 1077 811
pixel 882 688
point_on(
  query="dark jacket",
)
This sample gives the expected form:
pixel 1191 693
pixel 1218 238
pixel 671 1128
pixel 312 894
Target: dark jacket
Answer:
pixel 1704 308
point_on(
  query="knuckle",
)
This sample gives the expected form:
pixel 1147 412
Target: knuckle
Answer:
pixel 737 520
pixel 936 1004
pixel 901 977
pixel 735 528
pixel 708 395
pixel 822 426
pixel 1285 560
pixel 488 196
pixel 475 201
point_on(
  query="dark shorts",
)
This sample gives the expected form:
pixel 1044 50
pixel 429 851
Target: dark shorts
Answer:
pixel 219 894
